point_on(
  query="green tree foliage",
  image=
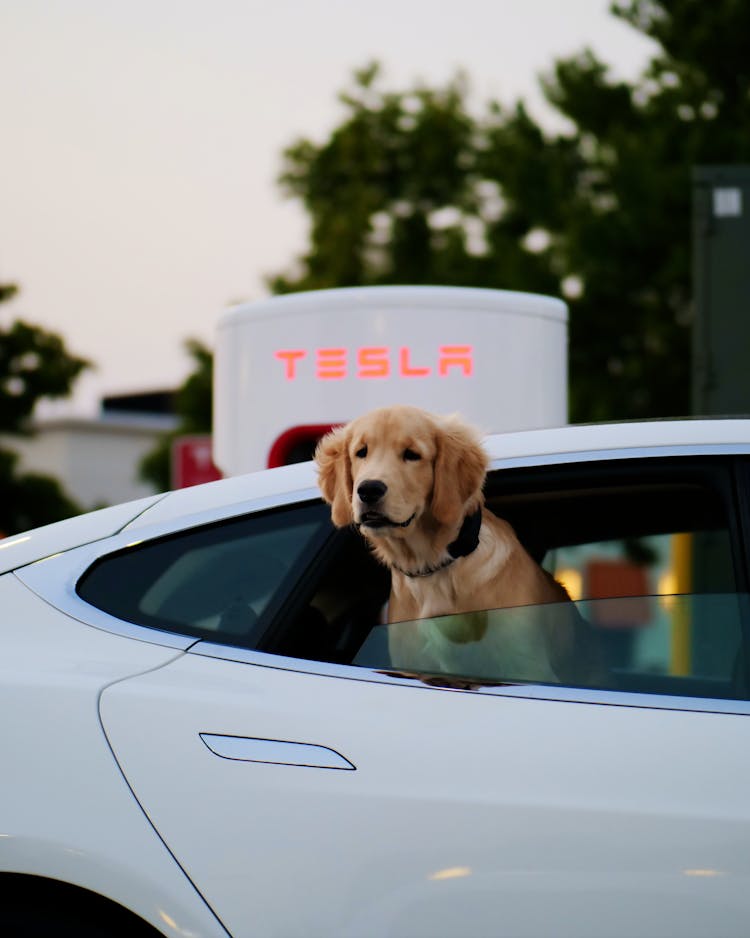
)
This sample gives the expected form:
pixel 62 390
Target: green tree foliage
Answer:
pixel 412 187
pixel 33 364
pixel 193 402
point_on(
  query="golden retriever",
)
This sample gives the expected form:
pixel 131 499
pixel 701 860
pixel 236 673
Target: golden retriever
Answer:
pixel 412 484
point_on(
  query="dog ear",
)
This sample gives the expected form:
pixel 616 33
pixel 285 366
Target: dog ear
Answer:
pixel 460 468
pixel 335 475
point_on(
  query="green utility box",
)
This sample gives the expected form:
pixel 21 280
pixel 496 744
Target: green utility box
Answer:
pixel 721 284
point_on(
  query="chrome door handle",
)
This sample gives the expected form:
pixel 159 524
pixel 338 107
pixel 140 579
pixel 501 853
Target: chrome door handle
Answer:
pixel 275 751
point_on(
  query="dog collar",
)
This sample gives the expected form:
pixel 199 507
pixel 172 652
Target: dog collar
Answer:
pixel 465 544
pixel 468 536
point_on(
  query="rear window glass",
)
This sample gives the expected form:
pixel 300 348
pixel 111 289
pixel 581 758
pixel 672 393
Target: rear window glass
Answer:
pixel 220 582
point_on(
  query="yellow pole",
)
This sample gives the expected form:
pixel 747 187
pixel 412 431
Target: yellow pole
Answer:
pixel 682 568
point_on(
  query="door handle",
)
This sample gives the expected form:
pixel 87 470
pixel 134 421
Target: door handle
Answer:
pixel 275 752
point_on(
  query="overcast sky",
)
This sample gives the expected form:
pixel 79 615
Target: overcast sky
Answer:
pixel 141 139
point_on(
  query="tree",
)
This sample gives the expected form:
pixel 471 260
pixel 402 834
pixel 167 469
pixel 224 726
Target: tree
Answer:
pixel 33 364
pixel 192 404
pixel 411 187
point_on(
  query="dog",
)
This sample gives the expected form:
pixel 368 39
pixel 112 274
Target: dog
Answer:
pixel 412 483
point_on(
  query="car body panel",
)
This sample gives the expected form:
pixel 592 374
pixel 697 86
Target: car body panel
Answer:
pixel 529 447
pixel 507 813
pixel 67 812
pixel 72 532
pixel 54 580
pixel 270 486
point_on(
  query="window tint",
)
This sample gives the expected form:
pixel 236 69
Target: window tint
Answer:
pixel 688 645
pixel 221 582
pixel 647 527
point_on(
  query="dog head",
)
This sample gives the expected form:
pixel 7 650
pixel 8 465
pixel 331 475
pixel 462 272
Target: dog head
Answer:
pixel 392 468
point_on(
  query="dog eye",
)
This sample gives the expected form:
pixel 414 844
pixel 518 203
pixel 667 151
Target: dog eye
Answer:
pixel 361 453
pixel 411 456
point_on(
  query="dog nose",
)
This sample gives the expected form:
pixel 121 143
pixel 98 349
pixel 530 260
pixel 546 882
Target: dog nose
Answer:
pixel 371 491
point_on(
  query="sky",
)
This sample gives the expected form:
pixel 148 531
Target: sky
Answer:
pixel 141 141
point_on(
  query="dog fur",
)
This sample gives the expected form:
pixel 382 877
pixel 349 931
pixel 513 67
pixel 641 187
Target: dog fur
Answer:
pixel 408 480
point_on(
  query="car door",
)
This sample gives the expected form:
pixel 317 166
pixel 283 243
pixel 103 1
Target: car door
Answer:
pixel 386 796
pixel 396 808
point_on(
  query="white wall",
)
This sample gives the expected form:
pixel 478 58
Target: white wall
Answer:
pixel 95 460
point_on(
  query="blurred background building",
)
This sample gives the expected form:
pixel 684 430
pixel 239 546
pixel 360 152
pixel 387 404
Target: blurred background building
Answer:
pixel 97 459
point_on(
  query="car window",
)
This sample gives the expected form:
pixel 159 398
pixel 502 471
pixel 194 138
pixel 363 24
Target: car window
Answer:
pixel 220 581
pixel 687 645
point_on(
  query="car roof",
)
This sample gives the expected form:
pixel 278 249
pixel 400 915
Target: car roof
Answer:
pixel 591 441
pixel 628 435
pixel 287 484
pixel 25 548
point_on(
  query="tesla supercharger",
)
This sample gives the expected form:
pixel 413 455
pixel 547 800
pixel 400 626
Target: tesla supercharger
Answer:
pixel 289 368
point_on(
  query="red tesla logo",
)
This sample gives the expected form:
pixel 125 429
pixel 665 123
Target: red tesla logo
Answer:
pixel 376 362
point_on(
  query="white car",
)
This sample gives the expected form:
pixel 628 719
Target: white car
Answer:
pixel 206 733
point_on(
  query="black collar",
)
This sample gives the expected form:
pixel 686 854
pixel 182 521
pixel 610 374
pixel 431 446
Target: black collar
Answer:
pixel 468 536
pixel 464 544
